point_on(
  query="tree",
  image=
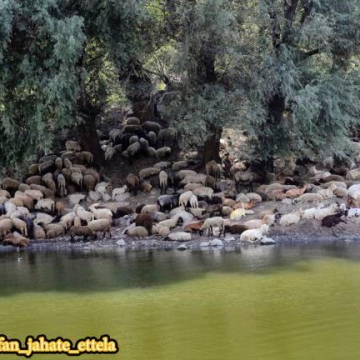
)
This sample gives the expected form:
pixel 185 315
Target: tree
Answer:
pixel 39 50
pixel 303 97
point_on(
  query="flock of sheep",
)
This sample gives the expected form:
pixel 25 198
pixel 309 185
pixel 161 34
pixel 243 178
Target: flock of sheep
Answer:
pixel 63 195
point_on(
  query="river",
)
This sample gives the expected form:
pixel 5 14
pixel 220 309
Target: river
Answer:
pixel 298 301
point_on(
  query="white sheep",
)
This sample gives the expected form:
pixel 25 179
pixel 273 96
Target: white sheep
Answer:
pixel 137 231
pixel 101 213
pixel 160 230
pixel 170 223
pixel 118 191
pixel 100 225
pixel 330 210
pixel 310 213
pixel 34 194
pixel 327 193
pixel 291 218
pixel 179 236
pixel 308 198
pixel 198 178
pixel 9 207
pixel 184 198
pixel 194 201
pixel 254 234
pixel 210 223
pixel 83 214
pixel 204 191
pixel 149 209
pixel 353 212
pixel 68 219
pixel 45 204
pixel 44 219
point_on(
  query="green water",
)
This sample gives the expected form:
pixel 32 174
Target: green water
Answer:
pixel 283 302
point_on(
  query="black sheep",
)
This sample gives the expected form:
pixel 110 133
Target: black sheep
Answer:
pixel 332 220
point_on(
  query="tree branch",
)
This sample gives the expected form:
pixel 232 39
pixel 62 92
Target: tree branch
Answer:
pixel 307 7
pixel 289 14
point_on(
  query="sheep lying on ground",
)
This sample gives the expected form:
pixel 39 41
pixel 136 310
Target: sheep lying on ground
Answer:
pixel 254 234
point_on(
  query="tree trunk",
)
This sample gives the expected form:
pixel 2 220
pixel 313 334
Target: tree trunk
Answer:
pixel 212 146
pixel 89 139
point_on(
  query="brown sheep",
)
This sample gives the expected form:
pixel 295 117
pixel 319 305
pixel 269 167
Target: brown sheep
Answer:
pixel 46 192
pixel 89 182
pixel 144 220
pixel 6 226
pixel 60 208
pixel 72 146
pixel 133 183
pixel 16 240
pixel 9 184
pixel 67 174
pixel 33 169
pixel 54 230
pixel 84 231
pixel 92 172
pixel 145 186
pixel 59 163
pixel 36 179
pixel 5 193
pixel 23 187
pixel 88 157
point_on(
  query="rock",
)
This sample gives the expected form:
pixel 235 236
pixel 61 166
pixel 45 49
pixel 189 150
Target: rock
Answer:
pixel 179 236
pixel 267 241
pixel 242 198
pixel 229 238
pixel 182 247
pixel 216 242
pixel 121 242
pixel 204 244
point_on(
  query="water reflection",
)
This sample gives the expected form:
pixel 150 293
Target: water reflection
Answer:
pixel 102 270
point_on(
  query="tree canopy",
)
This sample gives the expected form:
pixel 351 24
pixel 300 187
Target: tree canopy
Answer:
pixel 287 71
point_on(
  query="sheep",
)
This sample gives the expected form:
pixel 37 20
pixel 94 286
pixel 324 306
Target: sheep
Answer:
pixel 46 166
pixel 308 198
pixel 54 230
pixel 9 184
pixel 198 178
pixel 160 230
pixel 43 219
pixel 92 172
pixel 9 207
pixel 23 187
pixel 118 191
pixel 332 220
pixel 184 198
pixel 68 219
pixel 84 231
pixel 144 145
pixel 72 146
pixel 159 216
pixel 193 226
pixel 163 152
pixel 17 202
pixel 149 209
pixel 77 179
pixel 327 193
pixel 50 183
pixel 330 210
pixel 103 188
pixel 33 169
pixel 109 153
pixel 151 126
pixel 34 194
pixel 27 200
pixel 151 152
pixel 132 121
pixel 167 137
pixel 293 193
pixel 235 229
pixel 133 151
pixel 101 213
pixel 163 181
pixel 192 186
pixel 147 172
pixel 30 226
pixel 176 166
pixel 16 240
pixel 77 221
pixel 83 214
pixel 193 201
pixel 145 186
pixel 213 209
pixel 138 231
pixel 88 157
pixel 178 236
pixel 167 202
pixel 46 204
pixel 100 225
pixel 6 226
pixel 45 158
pixel 39 232
pixel 171 223
pixel 36 179
pixel 204 193
pixel 340 192
pixel 114 133
pixel 353 212
pixel 59 163
pixel 75 198
pixel 89 182
pixel 209 223
pixel 144 220
pixel 310 213
pixel 133 182
pixel 20 225
pixel 253 235
pixel 291 218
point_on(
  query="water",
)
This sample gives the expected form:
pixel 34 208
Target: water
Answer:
pixel 283 302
